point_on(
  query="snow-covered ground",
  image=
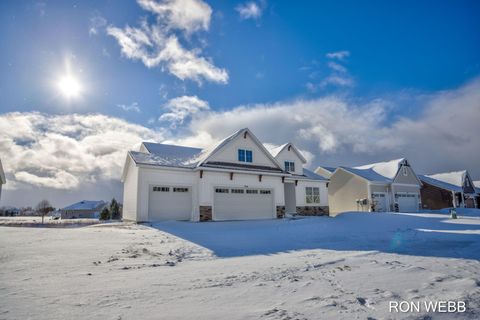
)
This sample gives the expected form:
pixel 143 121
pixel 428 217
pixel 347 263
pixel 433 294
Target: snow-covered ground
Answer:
pixel 48 221
pixel 348 267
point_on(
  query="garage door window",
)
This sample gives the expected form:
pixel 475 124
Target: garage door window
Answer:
pixel 312 195
pixel 221 190
pixel 252 191
pixel 161 189
pixel 180 189
pixel 265 192
pixel 237 191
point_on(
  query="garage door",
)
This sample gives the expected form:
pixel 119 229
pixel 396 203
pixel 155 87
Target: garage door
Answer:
pixel 242 204
pixel 380 201
pixel 169 203
pixel 407 202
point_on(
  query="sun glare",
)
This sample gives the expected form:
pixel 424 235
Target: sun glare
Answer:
pixel 69 87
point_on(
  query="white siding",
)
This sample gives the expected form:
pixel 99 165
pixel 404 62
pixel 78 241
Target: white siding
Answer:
pixel 229 153
pixel 130 192
pixel 300 193
pixel 291 155
pixel 222 179
pixel 167 177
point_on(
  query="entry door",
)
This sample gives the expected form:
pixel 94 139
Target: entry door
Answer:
pixel 290 198
pixel 380 201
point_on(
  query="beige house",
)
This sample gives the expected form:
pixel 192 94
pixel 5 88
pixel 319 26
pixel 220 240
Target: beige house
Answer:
pixel 325 172
pixel 380 187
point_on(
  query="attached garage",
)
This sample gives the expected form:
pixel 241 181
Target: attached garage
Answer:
pixel 243 204
pixel 169 203
pixel 407 201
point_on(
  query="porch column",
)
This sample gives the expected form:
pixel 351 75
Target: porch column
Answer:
pixel 454 199
pixel 463 200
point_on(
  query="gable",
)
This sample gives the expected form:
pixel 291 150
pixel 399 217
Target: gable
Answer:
pixel 291 155
pixel 406 175
pixel 468 186
pixel 228 152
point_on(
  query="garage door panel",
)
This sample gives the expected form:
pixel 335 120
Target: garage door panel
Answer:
pixel 243 206
pixel 169 203
pixel 407 202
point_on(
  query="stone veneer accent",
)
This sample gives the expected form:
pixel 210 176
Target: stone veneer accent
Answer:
pixel 280 212
pixel 312 211
pixel 205 213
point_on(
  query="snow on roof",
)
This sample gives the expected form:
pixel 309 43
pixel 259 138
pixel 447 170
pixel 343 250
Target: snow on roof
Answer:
pixel 174 156
pixel 456 177
pixel 210 151
pixel 440 184
pixel 387 169
pixel 476 183
pixel 368 174
pixel 275 151
pixel 86 205
pixel 329 169
pixel 312 175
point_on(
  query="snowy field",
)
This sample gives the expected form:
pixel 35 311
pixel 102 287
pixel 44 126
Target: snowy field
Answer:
pixel 348 267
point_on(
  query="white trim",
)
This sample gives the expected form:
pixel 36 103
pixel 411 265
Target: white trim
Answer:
pixel 299 154
pixel 256 173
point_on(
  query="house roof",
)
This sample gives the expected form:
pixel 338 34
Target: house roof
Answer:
pixel 387 169
pixel 312 175
pixel 276 151
pixel 368 174
pixel 329 169
pixel 440 184
pixel 167 155
pixel 456 177
pixel 477 185
pixel 86 205
pixel 3 180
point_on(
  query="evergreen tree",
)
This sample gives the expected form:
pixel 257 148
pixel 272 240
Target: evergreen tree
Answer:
pixel 105 214
pixel 115 209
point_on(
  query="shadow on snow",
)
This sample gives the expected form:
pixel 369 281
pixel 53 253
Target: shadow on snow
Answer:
pixel 410 234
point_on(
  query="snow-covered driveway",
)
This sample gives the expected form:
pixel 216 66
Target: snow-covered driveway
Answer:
pixel 347 267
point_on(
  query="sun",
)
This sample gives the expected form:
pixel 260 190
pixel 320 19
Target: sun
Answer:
pixel 69 86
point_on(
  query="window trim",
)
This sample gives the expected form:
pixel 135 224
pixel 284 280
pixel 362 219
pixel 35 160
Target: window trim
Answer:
pixel 245 155
pixel 312 195
pixel 289 166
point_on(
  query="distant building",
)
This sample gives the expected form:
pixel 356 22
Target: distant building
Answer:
pixel 83 209
pixel 3 180
pixel 449 189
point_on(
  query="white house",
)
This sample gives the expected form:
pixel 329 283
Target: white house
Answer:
pixel 238 179
pixel 3 180
pixel 83 209
pixel 384 186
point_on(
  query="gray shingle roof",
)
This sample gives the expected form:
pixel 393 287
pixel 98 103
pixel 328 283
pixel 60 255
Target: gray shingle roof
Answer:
pixel 86 205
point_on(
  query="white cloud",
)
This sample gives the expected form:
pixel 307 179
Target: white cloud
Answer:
pixel 339 55
pixel 338 77
pixel 249 10
pixel 96 22
pixel 131 107
pixel 181 108
pixel 187 15
pixel 157 44
pixel 66 151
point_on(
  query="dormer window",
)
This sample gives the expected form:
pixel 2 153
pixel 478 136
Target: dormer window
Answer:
pixel 245 155
pixel 289 166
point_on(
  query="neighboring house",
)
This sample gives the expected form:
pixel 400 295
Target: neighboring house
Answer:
pixel 3 180
pixel 238 179
pixel 446 190
pixel 325 172
pixel 384 186
pixel 83 209
pixel 476 183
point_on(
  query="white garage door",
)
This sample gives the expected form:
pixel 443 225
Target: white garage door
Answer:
pixel 407 202
pixel 242 204
pixel 380 201
pixel 169 203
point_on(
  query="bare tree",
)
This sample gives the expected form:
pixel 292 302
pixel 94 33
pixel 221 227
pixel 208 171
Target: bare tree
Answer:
pixel 44 207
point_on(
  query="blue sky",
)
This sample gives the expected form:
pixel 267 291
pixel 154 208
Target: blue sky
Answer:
pixel 396 61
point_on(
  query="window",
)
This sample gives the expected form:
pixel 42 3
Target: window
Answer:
pixel 289 166
pixel 237 191
pixel 180 189
pixel 221 190
pixel 312 195
pixel 265 192
pixel 245 155
pixel 161 189
pixel 252 191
